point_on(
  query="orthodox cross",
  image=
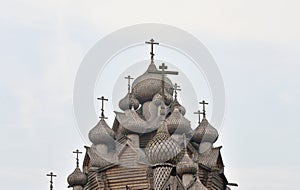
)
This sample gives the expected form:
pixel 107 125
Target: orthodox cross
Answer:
pixel 128 78
pixel 77 159
pixel 198 113
pixel 176 88
pixel 151 42
pixel 163 72
pixel 203 103
pixel 51 175
pixel 102 107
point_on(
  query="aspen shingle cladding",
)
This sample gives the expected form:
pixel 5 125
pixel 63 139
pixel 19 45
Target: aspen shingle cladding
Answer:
pixel 145 138
pixel 211 158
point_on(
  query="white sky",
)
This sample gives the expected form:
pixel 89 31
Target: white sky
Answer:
pixel 255 44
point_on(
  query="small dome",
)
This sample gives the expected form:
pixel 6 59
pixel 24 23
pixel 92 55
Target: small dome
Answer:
pixel 174 104
pixel 186 165
pixel 128 101
pixel 157 99
pixel 205 132
pixel 162 148
pixel 77 178
pixel 131 122
pixel 101 133
pixel 148 84
pixel 177 123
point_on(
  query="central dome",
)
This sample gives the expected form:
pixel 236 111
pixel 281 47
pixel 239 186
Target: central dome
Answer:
pixel 148 84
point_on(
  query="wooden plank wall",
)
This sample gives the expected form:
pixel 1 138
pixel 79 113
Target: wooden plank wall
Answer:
pixel 129 173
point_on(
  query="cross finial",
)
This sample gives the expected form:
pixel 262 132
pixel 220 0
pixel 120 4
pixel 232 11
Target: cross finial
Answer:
pixel 163 72
pixel 77 152
pixel 198 113
pixel 102 107
pixel 51 175
pixel 176 88
pixel 151 42
pixel 203 103
pixel 128 78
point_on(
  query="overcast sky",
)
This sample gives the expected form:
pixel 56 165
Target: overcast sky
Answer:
pixel 255 45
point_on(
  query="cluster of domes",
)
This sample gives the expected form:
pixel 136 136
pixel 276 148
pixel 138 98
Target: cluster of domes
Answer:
pixel 149 108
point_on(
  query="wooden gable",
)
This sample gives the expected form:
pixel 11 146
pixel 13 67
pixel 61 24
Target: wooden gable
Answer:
pixel 173 183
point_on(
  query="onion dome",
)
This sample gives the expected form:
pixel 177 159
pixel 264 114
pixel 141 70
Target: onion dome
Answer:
pixel 128 101
pixel 77 178
pixel 157 99
pixel 177 123
pixel 174 104
pixel 101 133
pixel 162 148
pixel 205 132
pixel 131 122
pixel 148 84
pixel 186 165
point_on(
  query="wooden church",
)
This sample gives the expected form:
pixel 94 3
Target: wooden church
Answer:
pixel 151 144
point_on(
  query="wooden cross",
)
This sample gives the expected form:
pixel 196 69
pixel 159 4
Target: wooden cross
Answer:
pixel 77 152
pixel 51 175
pixel 198 113
pixel 102 107
pixel 163 72
pixel 176 88
pixel 128 78
pixel 151 42
pixel 203 109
